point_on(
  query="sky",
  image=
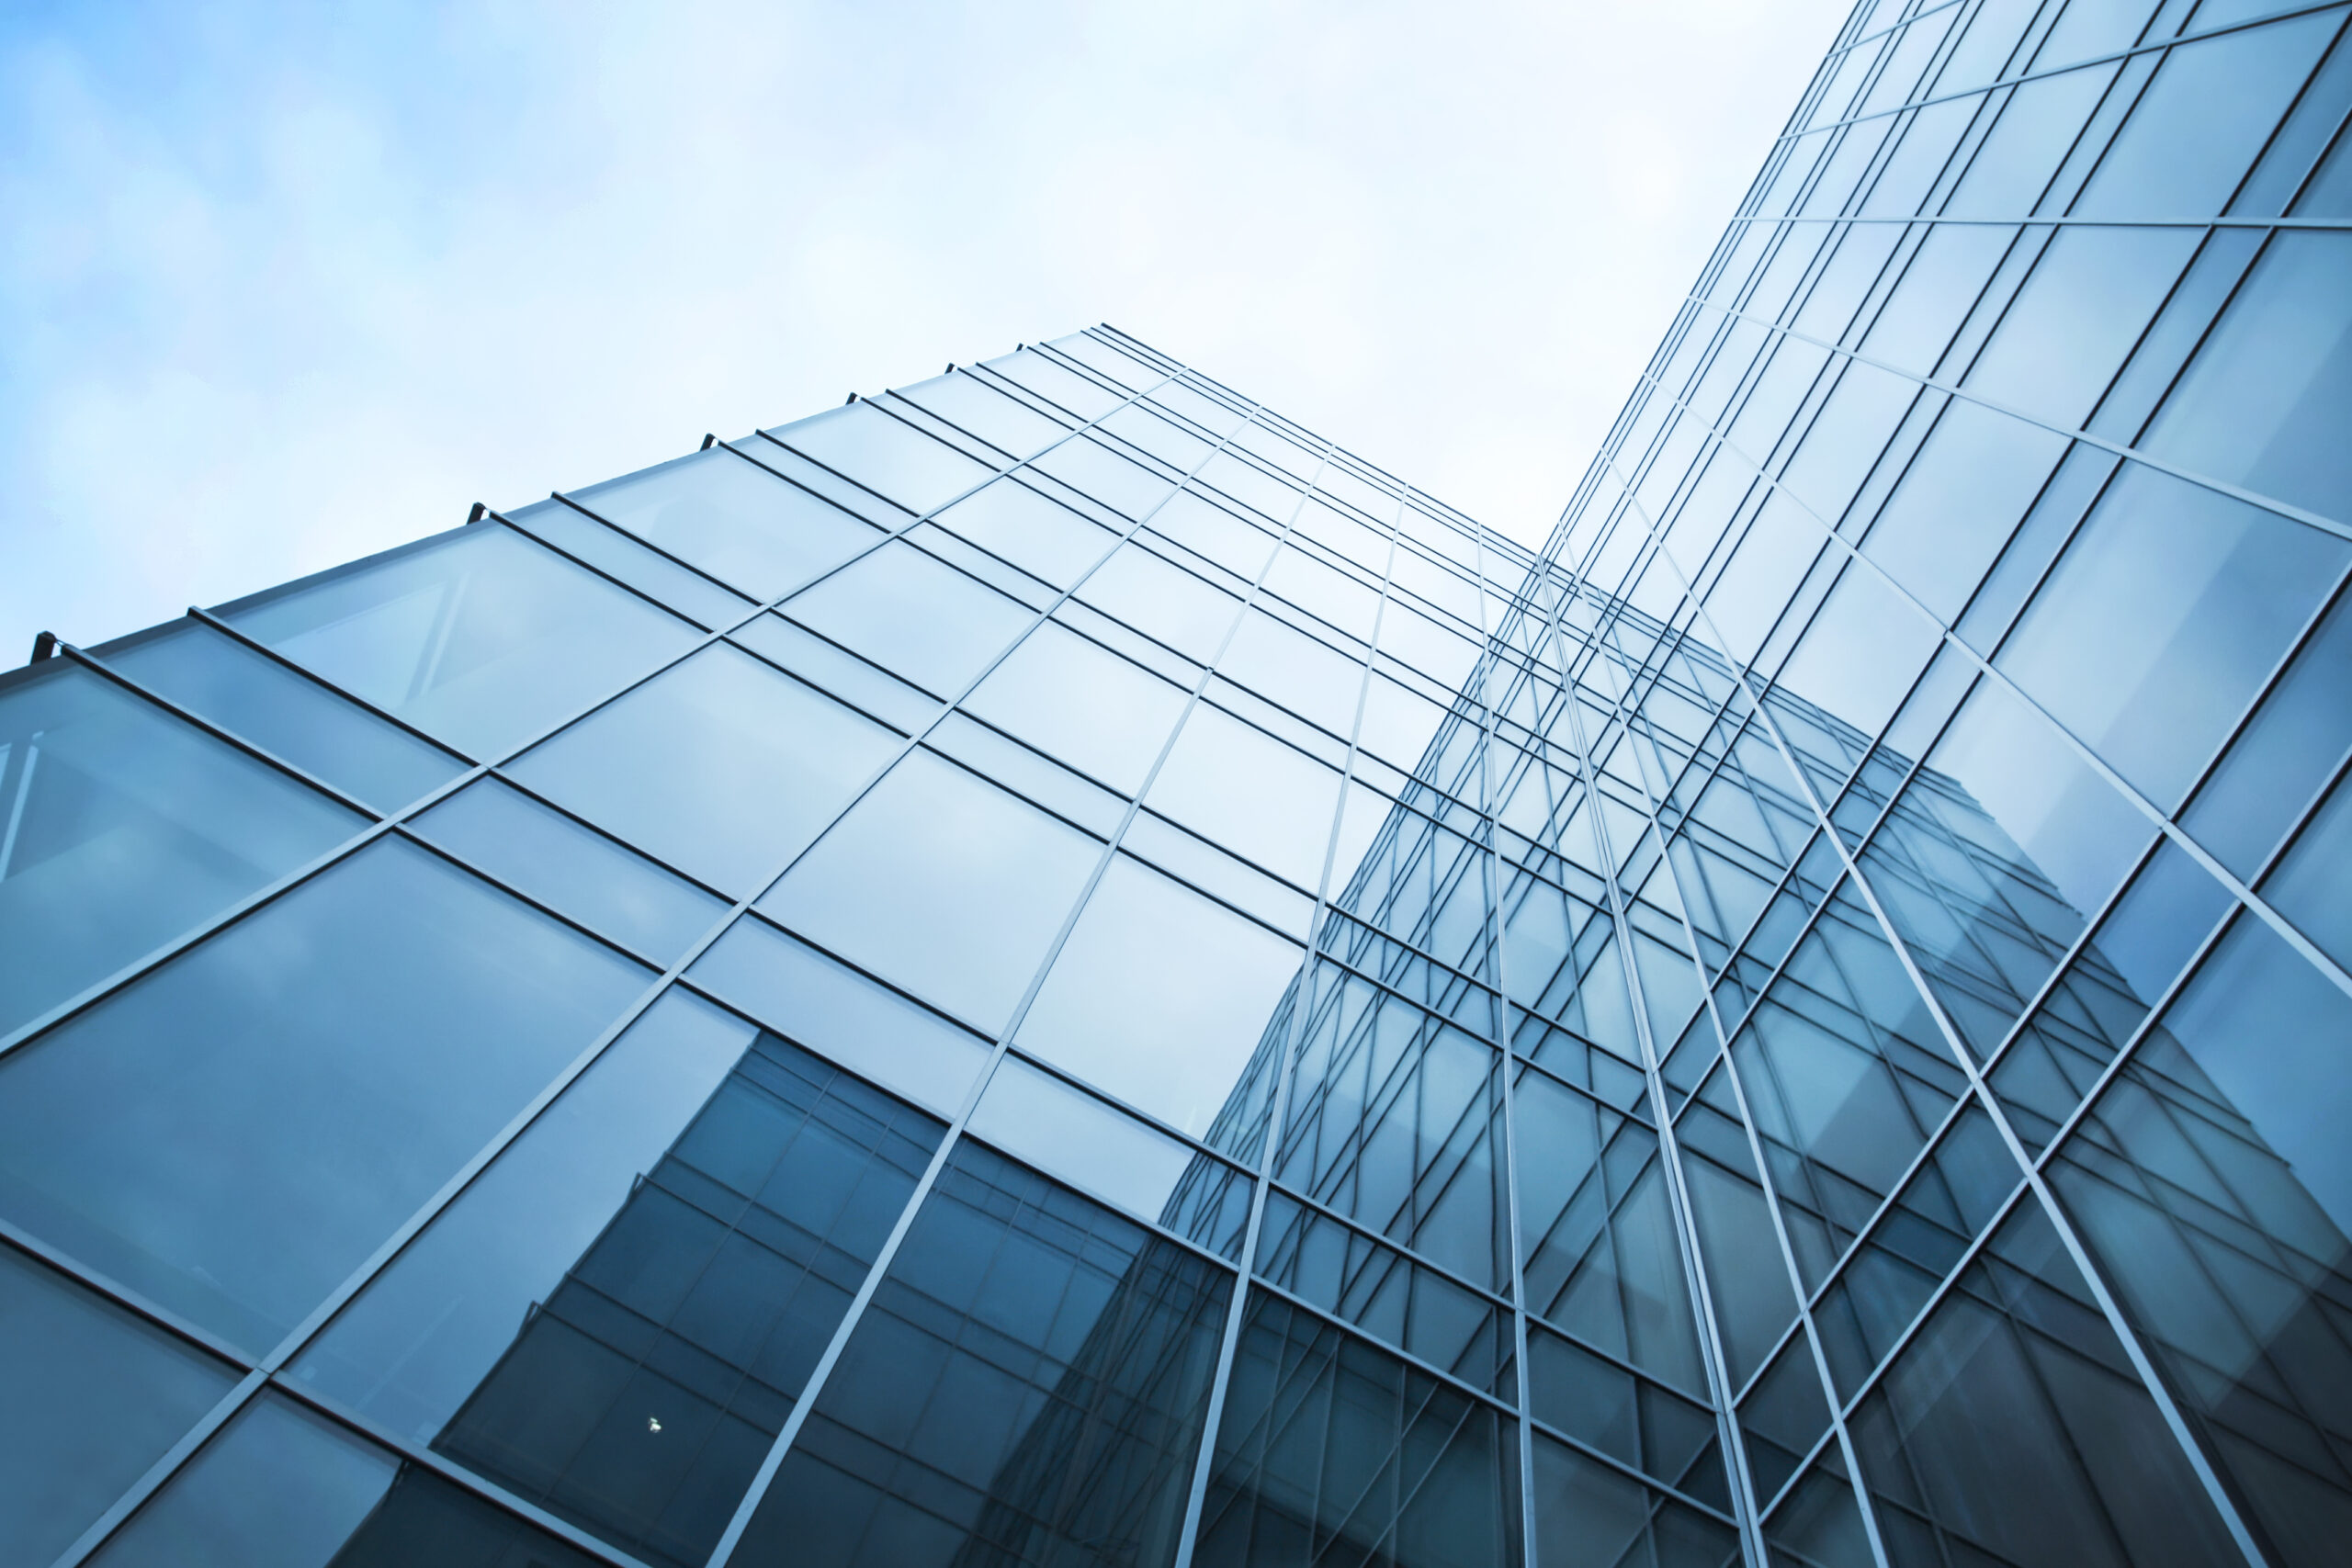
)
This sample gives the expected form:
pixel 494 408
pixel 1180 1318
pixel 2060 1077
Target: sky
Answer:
pixel 282 286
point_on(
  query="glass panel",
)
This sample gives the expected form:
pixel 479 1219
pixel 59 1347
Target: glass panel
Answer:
pixel 841 1014
pixel 1090 707
pixel 1331 1449
pixel 96 1396
pixel 1042 538
pixel 611 551
pixel 1127 1008
pixel 1958 502
pixel 237 1131
pixel 963 400
pixel 1163 601
pixel 1307 675
pixel 281 1487
pixel 732 519
pixel 2013 1429
pixel 1030 1380
pixel 885 455
pixel 1244 789
pixel 1074 1137
pixel 2163 615
pixel 2067 332
pixel 911 613
pixel 1588 1515
pixel 942 882
pixel 721 767
pixel 2213 1183
pixel 1118 483
pixel 679 1238
pixel 576 869
pixel 2263 402
pixel 481 638
pixel 121 826
pixel 219 679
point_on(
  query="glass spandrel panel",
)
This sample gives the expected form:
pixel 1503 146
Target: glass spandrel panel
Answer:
pixel 1076 700
pixel 942 882
pixel 2012 1427
pixel 721 767
pixel 122 827
pixel 1245 790
pixel 914 614
pixel 1004 423
pixel 1042 538
pixel 885 455
pixel 238 1131
pixel 842 1015
pixel 678 1237
pixel 97 1396
pixel 1162 600
pixel 2082 307
pixel 283 1487
pixel 2264 401
pixel 575 870
pixel 220 679
pixel 1125 1006
pixel 481 638
pixel 2157 625
pixel 1328 1439
pixel 620 555
pixel 1033 1370
pixel 732 519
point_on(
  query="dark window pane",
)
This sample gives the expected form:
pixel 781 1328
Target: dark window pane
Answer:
pixel 95 1396
pixel 1030 1381
pixel 237 1131
pixel 121 826
pixel 218 679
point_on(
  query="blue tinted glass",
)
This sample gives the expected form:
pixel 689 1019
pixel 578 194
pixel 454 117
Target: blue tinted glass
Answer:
pixel 942 882
pixel 966 401
pixel 1244 789
pixel 1070 697
pixel 481 638
pixel 610 550
pixel 732 519
pixel 237 1131
pixel 1124 1009
pixel 721 766
pixel 122 827
pixel 910 613
pixel 2066 334
pixel 1034 1370
pixel 885 455
pixel 217 678
pixel 97 1396
pixel 578 871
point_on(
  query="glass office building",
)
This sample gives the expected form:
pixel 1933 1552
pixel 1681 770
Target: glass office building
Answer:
pixel 1048 968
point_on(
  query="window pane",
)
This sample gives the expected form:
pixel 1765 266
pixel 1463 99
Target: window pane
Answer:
pixel 911 613
pixel 2065 334
pixel 121 828
pixel 237 1131
pixel 1119 483
pixel 942 884
pixel 96 1396
pixel 612 551
pixel 964 401
pixel 481 638
pixel 734 520
pixel 1163 601
pixel 578 871
pixel 1250 793
pixel 1034 1369
pixel 219 679
pixel 721 767
pixel 668 1318
pixel 1042 538
pixel 884 454
pixel 1127 1007
pixel 1087 706
pixel 281 1487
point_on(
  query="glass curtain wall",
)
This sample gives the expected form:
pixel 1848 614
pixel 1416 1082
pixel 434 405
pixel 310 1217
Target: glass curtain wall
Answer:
pixel 1047 967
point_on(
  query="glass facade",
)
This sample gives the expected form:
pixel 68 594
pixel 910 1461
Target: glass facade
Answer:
pixel 1048 968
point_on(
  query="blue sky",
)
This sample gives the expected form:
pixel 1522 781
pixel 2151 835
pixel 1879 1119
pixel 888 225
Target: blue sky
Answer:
pixel 280 285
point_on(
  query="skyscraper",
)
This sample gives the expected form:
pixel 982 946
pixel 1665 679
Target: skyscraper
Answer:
pixel 1048 968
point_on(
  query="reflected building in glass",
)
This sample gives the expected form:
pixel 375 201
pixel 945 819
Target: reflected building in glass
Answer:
pixel 1048 968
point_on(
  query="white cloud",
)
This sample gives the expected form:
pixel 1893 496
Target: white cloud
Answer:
pixel 279 293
